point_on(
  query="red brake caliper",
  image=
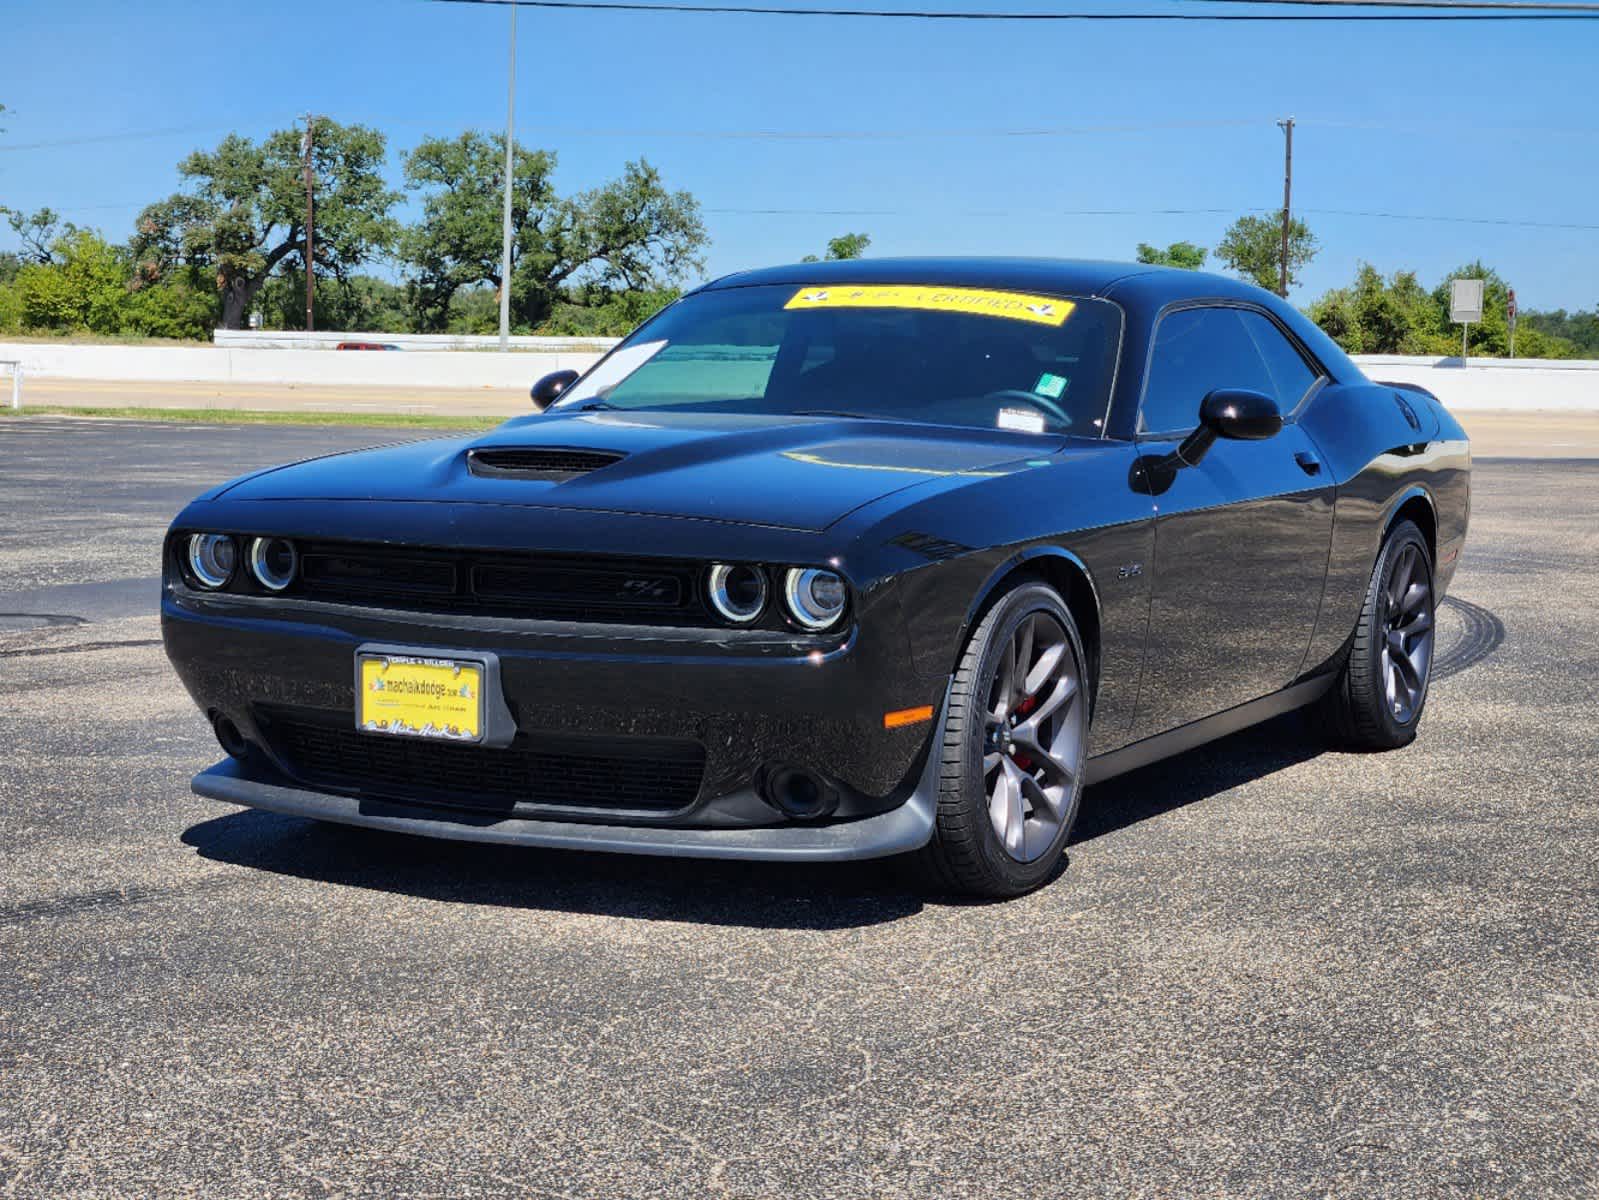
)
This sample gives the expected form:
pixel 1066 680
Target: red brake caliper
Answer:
pixel 1026 706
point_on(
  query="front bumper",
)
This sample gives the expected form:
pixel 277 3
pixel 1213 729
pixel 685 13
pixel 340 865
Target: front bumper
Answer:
pixel 752 703
pixel 897 831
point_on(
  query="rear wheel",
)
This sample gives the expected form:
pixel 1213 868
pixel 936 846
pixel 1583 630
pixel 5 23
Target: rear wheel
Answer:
pixel 1013 749
pixel 1377 702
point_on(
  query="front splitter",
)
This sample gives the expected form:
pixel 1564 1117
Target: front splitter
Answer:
pixel 899 831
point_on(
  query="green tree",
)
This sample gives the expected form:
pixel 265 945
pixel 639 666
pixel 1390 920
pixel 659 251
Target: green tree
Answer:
pixel 846 245
pixel 38 232
pixel 1580 329
pixel 355 302
pixel 83 286
pixel 631 234
pixel 615 316
pixel 90 285
pixel 1179 254
pixel 242 214
pixel 1381 316
pixel 1252 246
pixel 1398 316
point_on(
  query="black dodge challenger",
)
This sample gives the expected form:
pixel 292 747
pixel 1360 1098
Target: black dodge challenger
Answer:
pixel 831 561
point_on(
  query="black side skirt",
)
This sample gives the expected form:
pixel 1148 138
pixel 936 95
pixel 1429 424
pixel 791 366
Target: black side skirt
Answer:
pixel 1207 729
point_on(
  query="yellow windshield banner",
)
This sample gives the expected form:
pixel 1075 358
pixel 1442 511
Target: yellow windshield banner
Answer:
pixel 1016 306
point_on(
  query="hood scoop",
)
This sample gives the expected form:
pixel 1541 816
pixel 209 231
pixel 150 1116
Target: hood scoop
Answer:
pixel 549 464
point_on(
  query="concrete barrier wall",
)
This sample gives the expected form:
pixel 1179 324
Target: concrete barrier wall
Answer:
pixel 1522 384
pixel 255 339
pixel 211 364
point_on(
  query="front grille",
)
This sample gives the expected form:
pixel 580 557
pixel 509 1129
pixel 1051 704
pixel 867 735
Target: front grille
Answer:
pixel 518 585
pixel 614 774
pixel 552 463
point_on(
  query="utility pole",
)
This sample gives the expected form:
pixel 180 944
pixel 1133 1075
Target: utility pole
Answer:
pixel 510 163
pixel 1288 196
pixel 310 247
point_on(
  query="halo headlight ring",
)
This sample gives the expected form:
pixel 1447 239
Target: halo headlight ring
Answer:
pixel 212 559
pixel 815 598
pixel 737 591
pixel 273 562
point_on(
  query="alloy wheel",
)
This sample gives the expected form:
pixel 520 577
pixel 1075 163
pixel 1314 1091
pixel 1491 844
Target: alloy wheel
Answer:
pixel 1034 736
pixel 1407 634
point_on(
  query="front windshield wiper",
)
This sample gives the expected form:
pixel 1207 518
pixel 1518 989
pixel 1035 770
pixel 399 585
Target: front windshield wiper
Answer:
pixel 593 406
pixel 832 412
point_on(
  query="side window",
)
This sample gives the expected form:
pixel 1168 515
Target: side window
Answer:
pixel 1196 351
pixel 1291 375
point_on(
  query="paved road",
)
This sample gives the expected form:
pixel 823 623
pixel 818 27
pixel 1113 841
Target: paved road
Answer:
pixel 1268 970
pixel 275 397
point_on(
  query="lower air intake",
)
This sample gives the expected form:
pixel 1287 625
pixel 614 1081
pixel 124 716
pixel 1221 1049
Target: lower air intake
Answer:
pixel 615 774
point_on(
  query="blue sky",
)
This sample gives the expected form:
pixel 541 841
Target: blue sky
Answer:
pixel 1482 120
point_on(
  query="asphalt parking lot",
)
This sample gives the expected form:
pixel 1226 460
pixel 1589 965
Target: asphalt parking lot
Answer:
pixel 1268 970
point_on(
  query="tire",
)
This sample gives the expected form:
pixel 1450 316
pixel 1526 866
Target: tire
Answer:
pixel 1381 690
pixel 968 853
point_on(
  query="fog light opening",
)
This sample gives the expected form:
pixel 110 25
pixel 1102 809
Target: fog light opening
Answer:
pixel 229 738
pixel 800 793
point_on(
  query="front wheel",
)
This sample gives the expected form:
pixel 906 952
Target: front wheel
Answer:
pixel 1013 748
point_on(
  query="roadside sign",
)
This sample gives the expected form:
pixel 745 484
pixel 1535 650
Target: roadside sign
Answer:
pixel 1465 301
pixel 1510 306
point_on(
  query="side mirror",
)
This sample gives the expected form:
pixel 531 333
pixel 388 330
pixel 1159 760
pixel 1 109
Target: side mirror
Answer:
pixel 547 390
pixel 1233 413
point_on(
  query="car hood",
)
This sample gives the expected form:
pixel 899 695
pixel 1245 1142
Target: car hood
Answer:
pixel 790 472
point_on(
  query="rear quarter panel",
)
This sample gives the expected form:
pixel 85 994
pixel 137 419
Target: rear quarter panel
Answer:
pixel 1380 460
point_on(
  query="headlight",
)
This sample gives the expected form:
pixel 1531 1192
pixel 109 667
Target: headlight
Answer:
pixel 815 597
pixel 272 562
pixel 737 592
pixel 212 557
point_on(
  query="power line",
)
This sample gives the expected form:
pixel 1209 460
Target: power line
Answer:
pixel 1505 5
pixel 780 135
pixel 1389 216
pixel 970 15
pixel 1512 222
pixel 90 139
pixel 1144 212
pixel 932 132
pixel 776 135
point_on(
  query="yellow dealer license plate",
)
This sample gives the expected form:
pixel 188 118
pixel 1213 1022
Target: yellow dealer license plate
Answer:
pixel 419 697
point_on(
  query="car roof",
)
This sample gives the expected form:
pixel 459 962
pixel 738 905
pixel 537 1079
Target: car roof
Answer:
pixel 1068 276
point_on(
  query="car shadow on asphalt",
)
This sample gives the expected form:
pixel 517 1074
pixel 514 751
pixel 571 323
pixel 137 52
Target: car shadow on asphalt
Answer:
pixel 1197 775
pixel 753 895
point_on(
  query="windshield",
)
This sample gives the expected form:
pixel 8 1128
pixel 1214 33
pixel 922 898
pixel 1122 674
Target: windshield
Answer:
pixel 955 356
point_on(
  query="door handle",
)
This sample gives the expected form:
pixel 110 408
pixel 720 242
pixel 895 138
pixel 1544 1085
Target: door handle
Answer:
pixel 1308 462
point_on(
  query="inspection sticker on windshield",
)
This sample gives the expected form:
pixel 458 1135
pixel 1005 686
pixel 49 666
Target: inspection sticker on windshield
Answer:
pixel 1015 306
pixel 1021 420
pixel 1051 385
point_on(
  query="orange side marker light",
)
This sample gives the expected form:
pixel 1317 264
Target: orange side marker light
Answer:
pixel 901 717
